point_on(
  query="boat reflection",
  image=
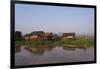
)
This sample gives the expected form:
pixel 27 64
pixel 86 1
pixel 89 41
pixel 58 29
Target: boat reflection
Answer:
pixel 73 48
pixel 68 48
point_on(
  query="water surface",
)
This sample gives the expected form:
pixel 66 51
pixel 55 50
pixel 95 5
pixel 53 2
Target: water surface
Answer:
pixel 30 55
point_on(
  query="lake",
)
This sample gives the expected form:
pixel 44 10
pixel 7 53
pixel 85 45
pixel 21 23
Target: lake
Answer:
pixel 30 55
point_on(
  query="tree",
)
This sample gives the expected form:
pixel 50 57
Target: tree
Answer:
pixel 18 35
pixel 56 37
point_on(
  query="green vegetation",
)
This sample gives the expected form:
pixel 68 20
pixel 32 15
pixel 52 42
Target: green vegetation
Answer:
pixel 20 42
pixel 81 41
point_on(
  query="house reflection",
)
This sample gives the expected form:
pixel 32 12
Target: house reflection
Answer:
pixel 38 50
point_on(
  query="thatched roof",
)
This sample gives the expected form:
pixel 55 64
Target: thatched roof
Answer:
pixel 68 34
pixel 37 33
pixel 48 34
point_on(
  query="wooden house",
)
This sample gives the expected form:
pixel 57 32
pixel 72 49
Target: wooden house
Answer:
pixel 39 35
pixel 27 37
pixel 36 35
pixel 68 36
pixel 48 36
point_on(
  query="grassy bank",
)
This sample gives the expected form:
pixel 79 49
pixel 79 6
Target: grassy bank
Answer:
pixel 87 42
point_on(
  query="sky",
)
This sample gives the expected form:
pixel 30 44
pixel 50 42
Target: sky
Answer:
pixel 54 19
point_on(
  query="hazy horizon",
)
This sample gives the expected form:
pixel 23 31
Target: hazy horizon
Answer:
pixel 54 19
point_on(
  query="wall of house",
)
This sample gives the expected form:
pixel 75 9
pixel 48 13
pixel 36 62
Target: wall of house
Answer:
pixel 34 37
pixel 69 37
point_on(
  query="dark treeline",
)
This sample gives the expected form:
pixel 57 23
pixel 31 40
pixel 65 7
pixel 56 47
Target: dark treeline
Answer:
pixel 18 35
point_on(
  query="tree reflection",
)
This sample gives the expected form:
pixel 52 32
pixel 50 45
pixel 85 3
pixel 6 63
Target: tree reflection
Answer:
pixel 17 49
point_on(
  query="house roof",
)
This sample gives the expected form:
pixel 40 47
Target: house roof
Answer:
pixel 48 33
pixel 68 34
pixel 37 33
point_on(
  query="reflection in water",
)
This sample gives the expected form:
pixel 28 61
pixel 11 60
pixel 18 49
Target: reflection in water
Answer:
pixel 68 48
pixel 74 48
pixel 17 49
pixel 42 49
pixel 28 55
pixel 38 50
